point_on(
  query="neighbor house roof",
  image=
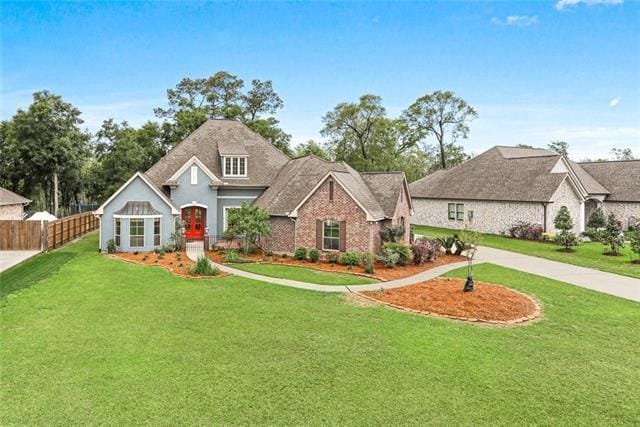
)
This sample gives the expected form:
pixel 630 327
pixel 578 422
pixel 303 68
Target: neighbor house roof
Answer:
pixel 301 176
pixel 620 178
pixel 10 198
pixel 216 138
pixel 500 173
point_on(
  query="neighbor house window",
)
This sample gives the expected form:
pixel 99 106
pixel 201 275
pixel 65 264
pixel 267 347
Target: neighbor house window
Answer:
pixel 331 235
pixel 156 232
pixel 136 232
pixel 460 212
pixel 330 190
pixel 452 211
pixel 117 232
pixel 194 175
pixel 235 166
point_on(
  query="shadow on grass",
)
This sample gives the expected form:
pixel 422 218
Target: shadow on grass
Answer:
pixel 32 271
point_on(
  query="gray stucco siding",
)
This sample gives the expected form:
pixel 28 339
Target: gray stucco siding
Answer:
pixel 201 194
pixel 137 190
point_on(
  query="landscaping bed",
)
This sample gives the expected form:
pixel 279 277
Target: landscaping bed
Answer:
pixel 175 262
pixel 445 297
pixel 380 273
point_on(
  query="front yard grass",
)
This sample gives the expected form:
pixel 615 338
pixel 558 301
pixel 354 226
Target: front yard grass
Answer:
pixel 586 255
pixel 303 274
pixel 100 341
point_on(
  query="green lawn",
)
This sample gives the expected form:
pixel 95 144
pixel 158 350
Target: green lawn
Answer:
pixel 100 341
pixel 303 274
pixel 586 255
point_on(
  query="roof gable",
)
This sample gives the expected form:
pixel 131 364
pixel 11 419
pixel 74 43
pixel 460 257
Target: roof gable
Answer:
pixel 149 183
pixel 8 197
pixel 193 161
pixel 621 178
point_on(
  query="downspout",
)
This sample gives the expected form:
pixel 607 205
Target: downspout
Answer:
pixel 544 210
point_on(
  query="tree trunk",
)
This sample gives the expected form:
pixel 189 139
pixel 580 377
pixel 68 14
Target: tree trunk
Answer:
pixel 55 193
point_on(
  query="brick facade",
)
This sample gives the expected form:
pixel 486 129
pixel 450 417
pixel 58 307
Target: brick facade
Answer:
pixel 11 212
pixel 361 235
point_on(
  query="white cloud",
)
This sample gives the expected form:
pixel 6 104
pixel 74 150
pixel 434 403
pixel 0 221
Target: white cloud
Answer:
pixel 516 20
pixel 614 101
pixel 562 4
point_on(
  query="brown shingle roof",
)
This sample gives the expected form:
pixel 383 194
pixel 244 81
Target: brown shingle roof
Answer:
pixel 301 175
pixel 386 187
pixel 492 176
pixel 264 161
pixel 621 178
pixel 590 184
pixel 10 198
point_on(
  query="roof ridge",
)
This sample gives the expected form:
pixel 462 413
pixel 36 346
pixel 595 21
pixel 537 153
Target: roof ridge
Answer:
pixel 607 161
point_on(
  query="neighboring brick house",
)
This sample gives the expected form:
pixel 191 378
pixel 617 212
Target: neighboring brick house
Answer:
pixel 508 184
pixel 12 205
pixel 311 202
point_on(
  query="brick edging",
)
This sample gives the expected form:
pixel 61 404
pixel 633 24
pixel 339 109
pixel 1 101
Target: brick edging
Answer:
pixel 222 273
pixel 537 312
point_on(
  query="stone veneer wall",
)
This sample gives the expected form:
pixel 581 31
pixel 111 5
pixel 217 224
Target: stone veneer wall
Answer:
pixel 11 212
pixel 359 233
pixel 623 211
pixel 565 195
pixel 488 216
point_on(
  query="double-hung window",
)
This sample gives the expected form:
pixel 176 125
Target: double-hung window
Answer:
pixel 117 232
pixel 456 211
pixel 331 235
pixel 136 232
pixel 452 211
pixel 156 232
pixel 235 166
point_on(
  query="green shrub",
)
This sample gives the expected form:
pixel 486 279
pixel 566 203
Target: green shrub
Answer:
pixel 594 235
pixel 231 256
pixel 204 268
pixel 635 242
pixel 597 219
pixel 567 239
pixel 111 246
pixel 447 243
pixel 402 249
pixel 350 258
pixel 393 234
pixel 314 255
pixel 368 259
pixel 300 253
pixel 389 257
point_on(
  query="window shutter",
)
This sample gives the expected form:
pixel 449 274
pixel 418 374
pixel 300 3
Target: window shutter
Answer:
pixel 343 236
pixel 318 234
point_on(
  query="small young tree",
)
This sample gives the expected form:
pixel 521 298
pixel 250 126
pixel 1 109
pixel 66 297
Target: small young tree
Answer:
pixel 564 222
pixel 635 245
pixel 613 235
pixel 597 219
pixel 250 222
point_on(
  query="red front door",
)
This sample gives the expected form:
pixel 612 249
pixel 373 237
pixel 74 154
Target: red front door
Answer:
pixel 193 218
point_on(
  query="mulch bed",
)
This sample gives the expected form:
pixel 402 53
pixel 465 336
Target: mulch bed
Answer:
pixel 381 272
pixel 180 267
pixel 440 297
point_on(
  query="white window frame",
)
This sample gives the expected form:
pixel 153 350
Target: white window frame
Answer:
pixel 194 175
pixel 137 235
pixel 449 211
pixel 224 216
pixel 233 163
pixel 159 231
pixel 117 237
pixel 330 237
pixel 459 212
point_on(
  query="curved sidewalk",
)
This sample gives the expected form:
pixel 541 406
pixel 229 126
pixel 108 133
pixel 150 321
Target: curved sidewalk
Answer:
pixel 193 251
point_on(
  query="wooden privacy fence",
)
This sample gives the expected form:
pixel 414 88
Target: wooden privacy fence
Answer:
pixel 34 235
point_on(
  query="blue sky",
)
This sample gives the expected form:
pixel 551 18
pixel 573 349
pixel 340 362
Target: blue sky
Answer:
pixel 535 71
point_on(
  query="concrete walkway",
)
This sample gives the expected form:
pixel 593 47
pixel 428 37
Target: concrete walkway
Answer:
pixel 608 283
pixel 195 249
pixel 10 258
pixel 612 284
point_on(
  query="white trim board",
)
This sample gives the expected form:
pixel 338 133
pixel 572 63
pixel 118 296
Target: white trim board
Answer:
pixel 214 179
pixel 194 204
pixel 160 194
pixel 238 197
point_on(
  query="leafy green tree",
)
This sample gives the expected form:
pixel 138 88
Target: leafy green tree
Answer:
pixel 311 147
pixel 269 130
pixel 597 219
pixel 613 235
pixel 564 222
pixel 250 222
pixel 43 150
pixel 635 244
pixel 560 147
pixel 623 154
pixel 443 116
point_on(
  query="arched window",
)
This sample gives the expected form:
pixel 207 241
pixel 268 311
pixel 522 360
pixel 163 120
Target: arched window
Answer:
pixel 331 235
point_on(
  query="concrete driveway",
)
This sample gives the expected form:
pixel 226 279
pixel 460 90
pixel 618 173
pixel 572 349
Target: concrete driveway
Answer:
pixel 10 258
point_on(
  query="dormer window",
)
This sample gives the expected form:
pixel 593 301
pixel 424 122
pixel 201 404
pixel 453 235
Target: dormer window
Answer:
pixel 235 166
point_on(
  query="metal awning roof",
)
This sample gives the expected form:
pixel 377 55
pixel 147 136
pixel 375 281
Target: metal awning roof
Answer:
pixel 138 209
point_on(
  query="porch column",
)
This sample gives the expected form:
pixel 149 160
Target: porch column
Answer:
pixel 581 220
